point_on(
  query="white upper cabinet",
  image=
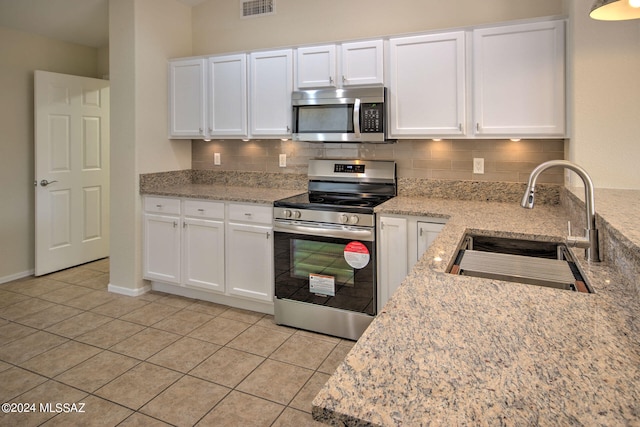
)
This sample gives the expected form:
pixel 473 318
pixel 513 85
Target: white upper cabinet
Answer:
pixel 271 84
pixel 348 64
pixel 519 80
pixel 362 63
pixel 227 100
pixel 316 66
pixel 504 81
pixel 427 85
pixel 187 105
pixel 208 97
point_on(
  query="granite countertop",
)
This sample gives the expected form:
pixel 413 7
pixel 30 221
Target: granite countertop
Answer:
pixel 455 350
pixel 222 192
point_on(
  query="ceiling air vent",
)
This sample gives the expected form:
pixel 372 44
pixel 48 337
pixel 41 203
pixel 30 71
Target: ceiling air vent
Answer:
pixel 253 8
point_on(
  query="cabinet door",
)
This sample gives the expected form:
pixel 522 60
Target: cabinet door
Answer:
pixel 427 85
pixel 271 87
pixel 203 249
pixel 228 95
pixel 187 98
pixel 519 80
pixel 392 256
pixel 362 63
pixel 161 251
pixel 427 233
pixel 250 261
pixel 316 66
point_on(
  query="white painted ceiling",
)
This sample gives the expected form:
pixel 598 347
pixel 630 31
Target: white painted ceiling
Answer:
pixel 84 22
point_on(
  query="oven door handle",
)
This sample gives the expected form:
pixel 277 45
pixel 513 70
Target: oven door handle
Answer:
pixel 325 230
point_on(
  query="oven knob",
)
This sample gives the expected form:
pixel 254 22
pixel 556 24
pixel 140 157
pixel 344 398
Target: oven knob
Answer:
pixel 354 219
pixel 344 219
pixel 297 214
pixel 287 213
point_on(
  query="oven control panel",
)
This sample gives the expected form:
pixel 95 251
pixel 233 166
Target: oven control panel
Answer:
pixel 348 168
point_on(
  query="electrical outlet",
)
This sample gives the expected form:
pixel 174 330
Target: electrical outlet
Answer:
pixel 283 161
pixel 216 159
pixel 478 165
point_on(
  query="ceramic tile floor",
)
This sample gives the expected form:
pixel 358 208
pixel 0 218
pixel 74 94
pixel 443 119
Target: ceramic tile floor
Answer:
pixel 154 360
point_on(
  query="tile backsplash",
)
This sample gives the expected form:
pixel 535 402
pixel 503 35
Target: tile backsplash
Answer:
pixel 504 160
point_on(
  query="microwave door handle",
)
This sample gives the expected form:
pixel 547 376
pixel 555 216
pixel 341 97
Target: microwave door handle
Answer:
pixel 356 117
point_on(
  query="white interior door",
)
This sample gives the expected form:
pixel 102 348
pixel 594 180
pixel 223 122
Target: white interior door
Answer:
pixel 71 170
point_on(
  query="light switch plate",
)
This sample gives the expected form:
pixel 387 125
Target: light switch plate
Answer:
pixel 283 161
pixel 216 159
pixel 478 165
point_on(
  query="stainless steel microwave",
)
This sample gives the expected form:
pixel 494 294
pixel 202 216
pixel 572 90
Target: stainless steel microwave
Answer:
pixel 340 115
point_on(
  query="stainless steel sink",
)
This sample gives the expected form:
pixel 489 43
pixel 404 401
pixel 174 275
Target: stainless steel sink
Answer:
pixel 517 260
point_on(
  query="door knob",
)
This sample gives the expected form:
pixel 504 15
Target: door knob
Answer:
pixel 44 182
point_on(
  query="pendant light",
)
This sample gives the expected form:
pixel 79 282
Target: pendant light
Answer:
pixel 615 10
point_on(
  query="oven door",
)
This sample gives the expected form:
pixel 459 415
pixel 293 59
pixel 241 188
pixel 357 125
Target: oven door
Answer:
pixel 326 265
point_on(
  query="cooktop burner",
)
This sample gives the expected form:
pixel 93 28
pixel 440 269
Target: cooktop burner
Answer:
pixel 347 203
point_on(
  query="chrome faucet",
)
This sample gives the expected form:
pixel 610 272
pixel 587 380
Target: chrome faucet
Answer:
pixel 590 240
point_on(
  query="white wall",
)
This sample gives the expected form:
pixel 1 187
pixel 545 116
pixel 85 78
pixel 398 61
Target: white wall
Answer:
pixel 20 54
pixel 217 26
pixel 604 78
pixel 143 35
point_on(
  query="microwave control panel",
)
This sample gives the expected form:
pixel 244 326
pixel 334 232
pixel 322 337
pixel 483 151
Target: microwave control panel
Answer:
pixel 371 118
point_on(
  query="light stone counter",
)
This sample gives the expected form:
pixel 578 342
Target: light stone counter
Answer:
pixel 222 192
pixel 453 350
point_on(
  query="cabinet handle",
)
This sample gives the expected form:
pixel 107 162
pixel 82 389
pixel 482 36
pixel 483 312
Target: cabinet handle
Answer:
pixel 288 129
pixel 159 206
pixel 477 126
pixel 268 235
pixel 344 79
pixel 460 127
pixel 184 225
pixel 200 210
pixel 381 225
pixel 421 232
pixel 175 224
pixel 330 80
pixel 247 214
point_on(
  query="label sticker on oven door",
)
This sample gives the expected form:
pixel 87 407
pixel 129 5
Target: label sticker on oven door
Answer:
pixel 356 254
pixel 322 285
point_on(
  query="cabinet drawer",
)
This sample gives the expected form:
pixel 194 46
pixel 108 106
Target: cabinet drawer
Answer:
pixel 162 205
pixel 251 213
pixel 204 209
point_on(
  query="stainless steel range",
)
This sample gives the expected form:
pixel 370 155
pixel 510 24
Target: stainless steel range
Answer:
pixel 325 247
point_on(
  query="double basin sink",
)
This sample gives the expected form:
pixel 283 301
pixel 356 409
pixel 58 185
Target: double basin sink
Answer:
pixel 531 262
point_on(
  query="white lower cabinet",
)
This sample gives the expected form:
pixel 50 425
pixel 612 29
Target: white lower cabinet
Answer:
pixel 162 248
pixel 203 254
pixel 250 261
pixel 210 250
pixel 161 231
pixel 402 241
pixel 250 251
pixel 393 256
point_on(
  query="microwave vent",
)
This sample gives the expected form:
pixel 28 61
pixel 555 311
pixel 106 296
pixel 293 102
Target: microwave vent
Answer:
pixel 254 8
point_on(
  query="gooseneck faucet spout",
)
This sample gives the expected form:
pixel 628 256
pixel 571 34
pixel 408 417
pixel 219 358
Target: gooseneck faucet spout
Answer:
pixel 590 240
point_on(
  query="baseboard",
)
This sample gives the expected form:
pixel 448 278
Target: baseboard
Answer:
pixel 231 301
pixel 12 277
pixel 128 291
